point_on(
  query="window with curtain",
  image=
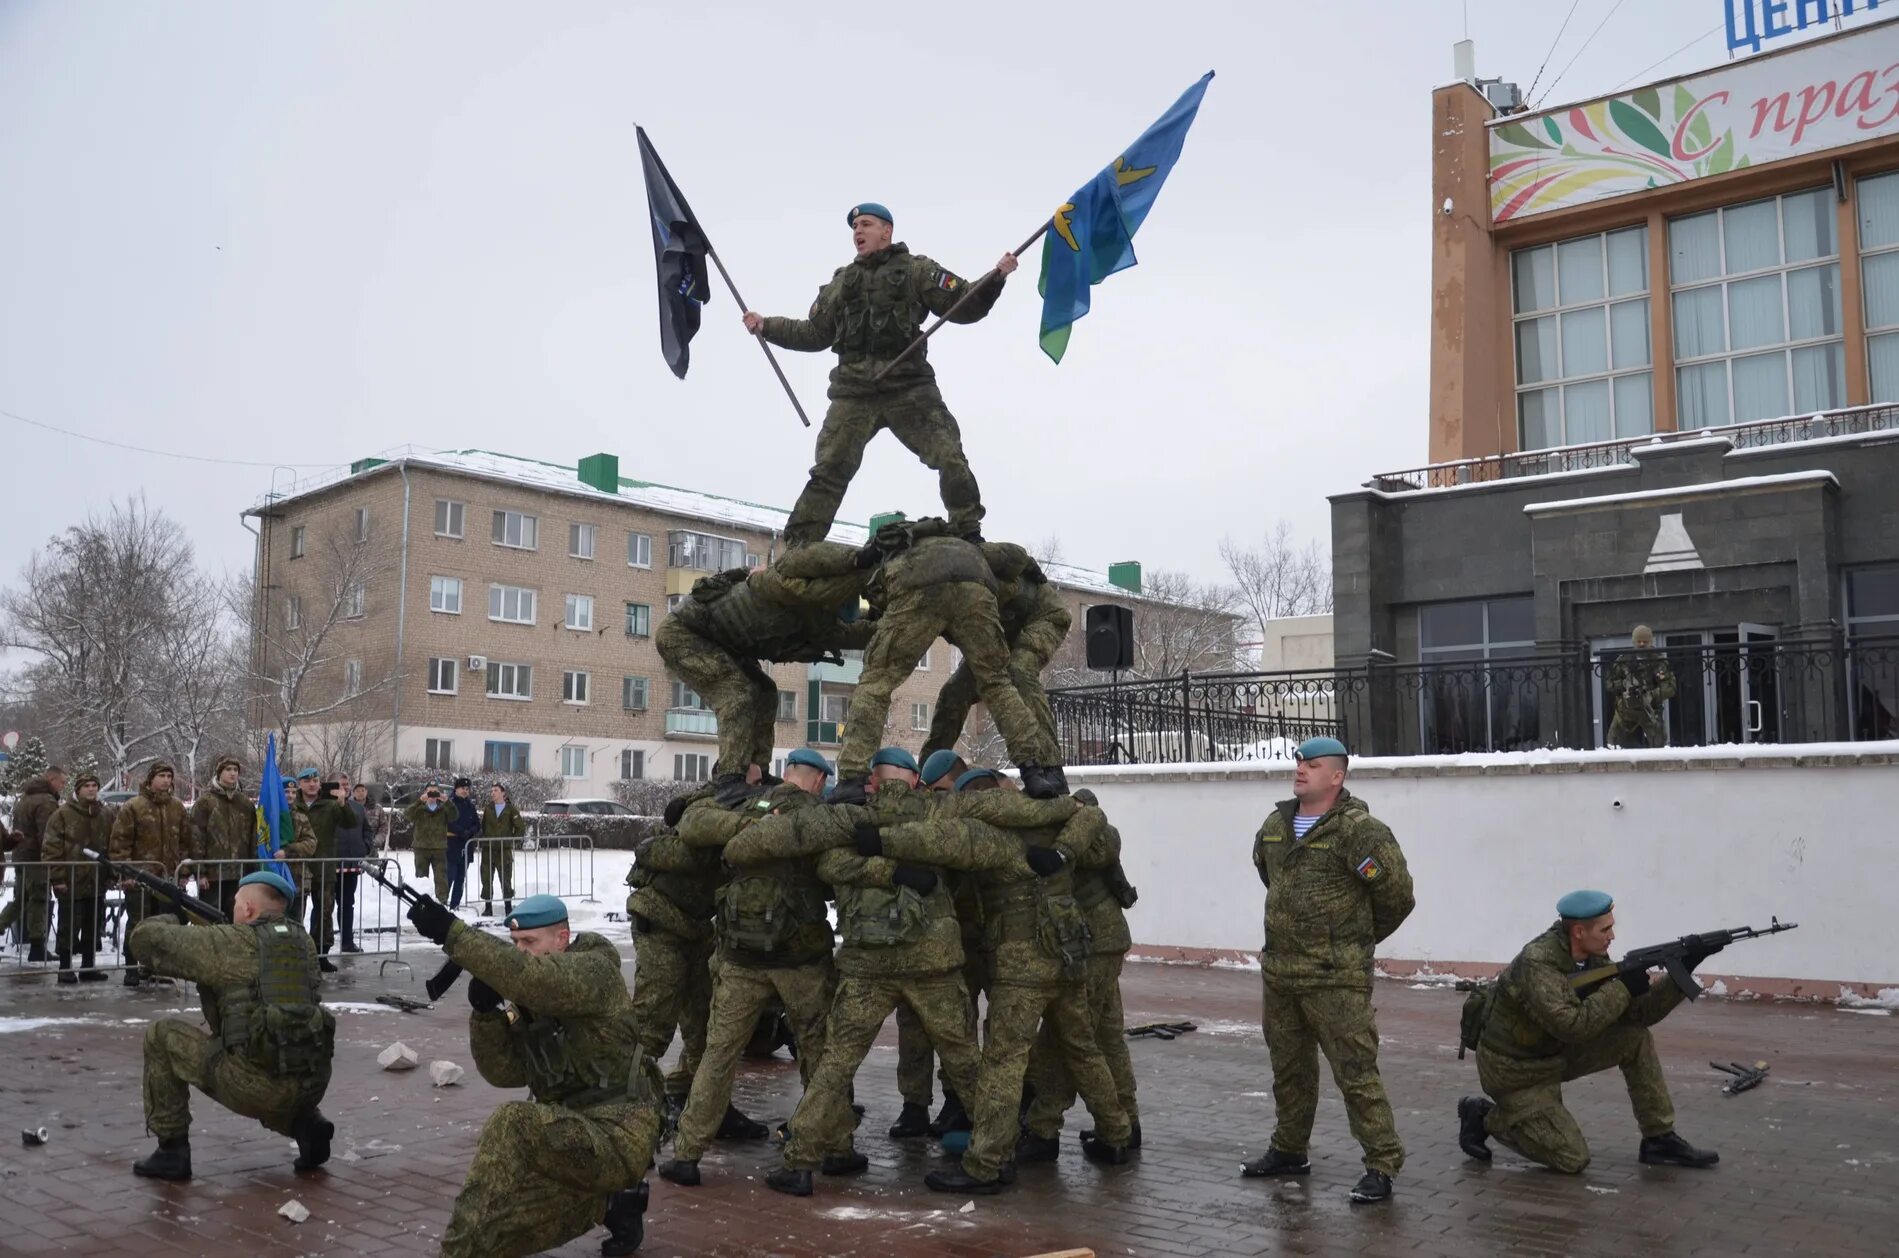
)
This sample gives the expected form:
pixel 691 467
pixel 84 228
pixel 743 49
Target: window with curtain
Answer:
pixel 1756 308
pixel 1474 693
pixel 1582 344
pixel 1879 281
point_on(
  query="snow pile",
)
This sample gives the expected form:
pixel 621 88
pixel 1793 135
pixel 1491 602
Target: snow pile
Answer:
pixel 1887 998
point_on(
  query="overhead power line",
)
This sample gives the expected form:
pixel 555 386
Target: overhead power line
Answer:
pixel 163 454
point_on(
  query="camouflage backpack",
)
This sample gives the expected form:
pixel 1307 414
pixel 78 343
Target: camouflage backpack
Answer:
pixel 1061 928
pixel 1470 1027
pixel 282 1027
pixel 759 912
pixel 882 917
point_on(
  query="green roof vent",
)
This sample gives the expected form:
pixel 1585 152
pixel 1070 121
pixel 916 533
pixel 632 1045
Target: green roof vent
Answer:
pixel 601 472
pixel 888 517
pixel 363 465
pixel 1126 576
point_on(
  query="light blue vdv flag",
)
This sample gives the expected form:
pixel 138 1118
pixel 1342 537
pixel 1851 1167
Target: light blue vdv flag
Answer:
pixel 1092 234
pixel 271 821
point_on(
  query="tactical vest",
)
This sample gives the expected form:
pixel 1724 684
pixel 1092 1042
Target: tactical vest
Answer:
pixel 765 905
pixel 279 1024
pixel 933 561
pixel 876 314
pixel 735 617
pixel 1050 914
pixel 579 1071
pixel 1095 887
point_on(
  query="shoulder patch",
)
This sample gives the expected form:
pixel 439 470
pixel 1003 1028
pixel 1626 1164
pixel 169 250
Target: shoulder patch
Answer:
pixel 946 281
pixel 1368 869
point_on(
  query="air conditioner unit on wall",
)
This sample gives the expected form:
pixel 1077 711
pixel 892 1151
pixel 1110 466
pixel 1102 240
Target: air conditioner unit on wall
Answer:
pixel 477 663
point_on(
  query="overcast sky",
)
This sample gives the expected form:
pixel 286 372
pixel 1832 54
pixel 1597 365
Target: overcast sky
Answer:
pixel 305 233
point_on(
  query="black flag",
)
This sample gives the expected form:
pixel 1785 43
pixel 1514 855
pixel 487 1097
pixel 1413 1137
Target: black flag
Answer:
pixel 679 248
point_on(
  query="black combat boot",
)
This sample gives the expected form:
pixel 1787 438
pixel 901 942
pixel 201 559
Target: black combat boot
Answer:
pixel 1371 1186
pixel 1134 1134
pixel 36 953
pixel 736 1126
pixel 1276 1163
pixel 507 908
pixel 326 965
pixel 958 1180
pixel 350 945
pixel 681 1171
pixel 66 974
pixel 131 976
pixel 1472 1132
pixel 1670 1149
pixel 912 1121
pixel 852 1163
pixel 312 1132
pixel 1043 781
pixel 170 1160
pixel 625 1221
pixel 86 973
pixel 1030 1147
pixel 790 1182
pixel 487 908
pixel 1097 1150
pixel 952 1117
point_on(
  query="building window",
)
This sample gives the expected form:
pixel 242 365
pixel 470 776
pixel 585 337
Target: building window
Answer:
pixel 296 542
pixel 955 659
pixel 362 524
pixel 355 599
pixel 1470 698
pixel 1872 630
pixel 352 677
pixel 445 595
pixel 691 768
pixel 504 757
pixel 510 681
pixel 512 528
pixel 1879 281
pixel 920 716
pixel 293 611
pixel 836 707
pixel 580 612
pixel 923 665
pixel 632 765
pixel 704 551
pixel 438 753
pixel 1757 310
pixel 639 550
pixel 573 762
pixel 674 600
pixel 685 696
pixel 1582 344
pixel 573 686
pixel 580 538
pixel 448 518
pixel 787 705
pixel 511 603
pixel 639 620
pixel 633 694
pixel 442 676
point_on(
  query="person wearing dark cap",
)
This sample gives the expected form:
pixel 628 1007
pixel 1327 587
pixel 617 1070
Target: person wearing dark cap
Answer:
pixel 429 818
pixel 551 1014
pixel 867 314
pixel 80 824
pixel 151 830
pixel 27 910
pixel 319 801
pixel 223 834
pixel 463 828
pixel 1336 887
pixel 268 1053
pixel 1539 1033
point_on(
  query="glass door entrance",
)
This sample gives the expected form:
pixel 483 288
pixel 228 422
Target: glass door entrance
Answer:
pixel 1727 685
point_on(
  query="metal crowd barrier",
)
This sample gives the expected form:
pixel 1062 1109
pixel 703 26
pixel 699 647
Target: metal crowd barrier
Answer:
pixel 549 864
pixel 25 881
pixel 378 915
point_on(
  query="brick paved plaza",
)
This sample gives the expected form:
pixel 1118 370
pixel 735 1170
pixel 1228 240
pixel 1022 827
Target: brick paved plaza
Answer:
pixel 1810 1160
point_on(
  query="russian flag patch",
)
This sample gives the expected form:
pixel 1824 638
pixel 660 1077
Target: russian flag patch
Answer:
pixel 1367 869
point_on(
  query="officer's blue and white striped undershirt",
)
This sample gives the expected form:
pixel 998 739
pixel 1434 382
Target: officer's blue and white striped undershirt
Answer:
pixel 1302 823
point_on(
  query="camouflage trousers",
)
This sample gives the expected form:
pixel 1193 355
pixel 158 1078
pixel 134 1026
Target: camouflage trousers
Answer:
pixel 959 694
pixel 740 994
pixel 1048 1066
pixel 672 988
pixel 490 863
pixel 916 416
pixel 434 864
pixel 965 613
pixel 823 1121
pixel 1016 1012
pixel 1336 1021
pixel 1530 1116
pixel 27 911
pixel 179 1057
pixel 542 1175
pixel 1636 729
pixel 739 692
pixel 915 1056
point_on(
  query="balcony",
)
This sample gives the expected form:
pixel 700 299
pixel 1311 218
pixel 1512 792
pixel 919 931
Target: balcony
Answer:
pixel 824 733
pixel 845 674
pixel 691 723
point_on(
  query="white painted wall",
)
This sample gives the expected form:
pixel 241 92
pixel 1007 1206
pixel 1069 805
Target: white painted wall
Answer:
pixel 1696 844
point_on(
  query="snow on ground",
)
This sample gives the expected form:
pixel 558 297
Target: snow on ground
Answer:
pixel 11 1025
pixel 1887 999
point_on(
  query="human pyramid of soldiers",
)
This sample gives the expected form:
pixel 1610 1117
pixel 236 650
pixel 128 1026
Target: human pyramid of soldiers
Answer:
pixel 950 884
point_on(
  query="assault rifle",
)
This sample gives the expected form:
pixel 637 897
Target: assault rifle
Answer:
pixel 445 977
pixel 170 892
pixel 1672 957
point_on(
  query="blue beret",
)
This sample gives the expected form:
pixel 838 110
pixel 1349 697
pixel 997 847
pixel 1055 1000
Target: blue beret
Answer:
pixel 1313 748
pixel 537 911
pixel 308 773
pixel 956 1142
pixel 811 760
pixel 290 781
pixel 1582 906
pixel 894 755
pixel 276 882
pixel 871 208
pixel 937 763
pixel 974 775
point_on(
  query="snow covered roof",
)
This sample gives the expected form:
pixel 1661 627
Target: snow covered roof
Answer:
pixel 1783 480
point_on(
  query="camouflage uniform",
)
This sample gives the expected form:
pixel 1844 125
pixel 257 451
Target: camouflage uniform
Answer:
pixel 1539 1034
pixel 671 909
pixel 545 1168
pixel 317 879
pixel 223 843
pixel 1034 625
pixel 1639 683
pixel 797 971
pixel 915 1057
pixel 429 842
pixel 713 641
pixel 872 308
pixel 79 824
pixel 37 803
pixel 1330 898
pixel 227 963
pixel 938 587
pixel 506 824
pixel 151 831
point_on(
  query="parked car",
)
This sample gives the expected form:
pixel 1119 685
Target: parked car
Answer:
pixel 587 808
pixel 113 799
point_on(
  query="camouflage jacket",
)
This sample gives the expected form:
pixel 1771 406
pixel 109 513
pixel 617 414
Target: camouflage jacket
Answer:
pixel 1096 870
pixel 216 958
pixel 728 610
pixel 675 886
pixel 709 825
pixel 152 830
pixel 1034 619
pixel 223 829
pixel 1639 683
pixel 1331 897
pixel 1535 1016
pixel 79 824
pixel 929 562
pixel 37 803
pixel 506 824
pixel 872 308
pixel 430 828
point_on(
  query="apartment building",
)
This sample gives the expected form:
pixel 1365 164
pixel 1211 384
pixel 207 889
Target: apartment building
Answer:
pixel 470 610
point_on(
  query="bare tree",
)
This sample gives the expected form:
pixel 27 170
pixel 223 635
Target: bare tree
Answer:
pixel 1278 577
pixel 198 677
pixel 1182 624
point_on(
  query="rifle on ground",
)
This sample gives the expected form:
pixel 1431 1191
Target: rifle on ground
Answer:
pixel 445 977
pixel 170 892
pixel 1671 957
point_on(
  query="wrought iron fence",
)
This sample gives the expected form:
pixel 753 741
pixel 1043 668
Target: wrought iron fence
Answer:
pixel 1724 690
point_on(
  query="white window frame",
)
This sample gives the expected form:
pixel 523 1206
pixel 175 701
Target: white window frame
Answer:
pixel 703 552
pixel 520 681
pixel 582 540
pixel 1874 332
pixel 923 665
pixel 632 764
pixel 639 550
pixel 572 755
pixel 443 666
pixel 352 677
pixel 526 529
pixel 686 699
pixel 443 591
pixel 626 694
pixel 579 613
pixel 362 524
pixel 488 758
pixel 787 711
pixel 919 716
pixel 451 518
pixel 639 620
pixel 1556 385
pixel 576 684
pixel 699 763
pixel 293 611
pixel 355 601
pixel 438 753
pixel 527 604
pixel 297 541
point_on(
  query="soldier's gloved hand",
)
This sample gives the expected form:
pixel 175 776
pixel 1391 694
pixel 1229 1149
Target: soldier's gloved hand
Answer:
pixel 869 555
pixel 1637 981
pixel 431 919
pixel 1045 861
pixel 868 840
pixel 1698 952
pixel 484 998
pixel 918 879
pixel 675 809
